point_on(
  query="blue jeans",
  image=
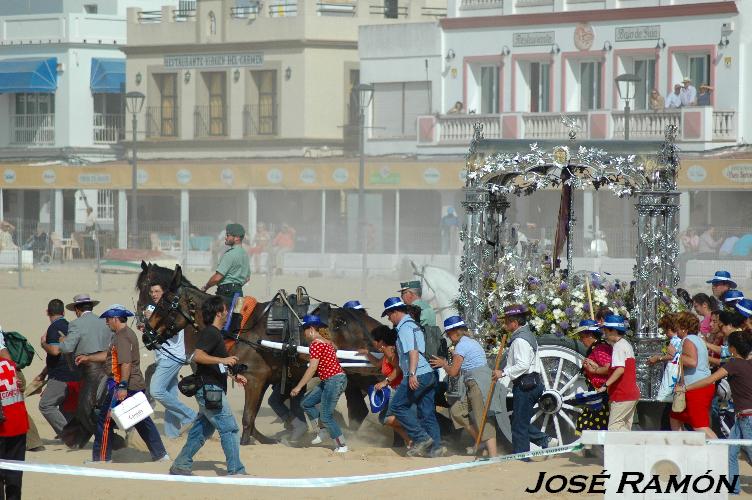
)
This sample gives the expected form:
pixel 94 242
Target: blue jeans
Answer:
pixel 278 406
pixel 102 449
pixel 405 401
pixel 224 422
pixel 523 432
pixel 327 393
pixel 742 429
pixel 164 388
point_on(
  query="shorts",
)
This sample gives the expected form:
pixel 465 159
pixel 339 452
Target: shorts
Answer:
pixel 697 412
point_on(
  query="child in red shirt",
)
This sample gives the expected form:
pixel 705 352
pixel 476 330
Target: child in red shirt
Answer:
pixel 323 364
pixel 14 425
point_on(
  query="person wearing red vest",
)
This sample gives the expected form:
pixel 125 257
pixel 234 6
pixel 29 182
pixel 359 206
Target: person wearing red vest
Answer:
pixel 623 392
pixel 13 426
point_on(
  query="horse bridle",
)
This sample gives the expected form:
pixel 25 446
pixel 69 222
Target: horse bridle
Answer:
pixel 172 311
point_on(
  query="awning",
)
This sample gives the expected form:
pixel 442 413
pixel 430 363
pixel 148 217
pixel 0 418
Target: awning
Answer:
pixel 107 76
pixel 28 75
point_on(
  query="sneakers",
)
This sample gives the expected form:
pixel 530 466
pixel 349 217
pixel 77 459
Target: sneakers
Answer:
pixel 174 471
pixel 165 458
pixel 552 443
pixel 439 452
pixel 320 437
pixel 420 449
pixel 341 449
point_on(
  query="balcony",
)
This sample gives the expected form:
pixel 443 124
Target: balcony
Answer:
pixel 33 130
pixel 210 120
pixel 108 129
pixel 260 120
pixel 161 122
pixel 695 124
pixel 481 4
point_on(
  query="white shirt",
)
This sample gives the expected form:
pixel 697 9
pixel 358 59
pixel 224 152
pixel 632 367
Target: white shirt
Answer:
pixel 622 350
pixel 673 100
pixel 522 360
pixel 688 96
pixel 175 346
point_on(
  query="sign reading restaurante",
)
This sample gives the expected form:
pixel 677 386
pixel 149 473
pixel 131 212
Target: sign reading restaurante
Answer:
pixel 635 33
pixel 213 60
pixel 533 39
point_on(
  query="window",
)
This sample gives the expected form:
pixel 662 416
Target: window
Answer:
pixel 91 8
pixel 108 118
pixel 215 82
pixel 540 87
pixel 35 104
pixel 699 69
pixel 396 107
pixel 489 89
pixel 164 117
pixel 266 104
pixel 590 85
pixel 105 205
pixel 645 69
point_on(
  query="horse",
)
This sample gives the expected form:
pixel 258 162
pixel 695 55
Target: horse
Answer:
pixel 179 309
pixel 440 289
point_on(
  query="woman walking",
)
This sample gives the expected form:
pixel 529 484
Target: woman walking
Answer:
pixel 596 367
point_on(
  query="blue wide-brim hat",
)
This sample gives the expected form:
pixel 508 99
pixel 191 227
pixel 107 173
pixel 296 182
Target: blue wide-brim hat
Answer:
pixel 744 307
pixel 353 304
pixel 453 322
pixel 732 296
pixel 116 311
pixel 392 303
pixel 588 325
pixel 311 320
pixel 722 277
pixel 615 322
pixel 378 398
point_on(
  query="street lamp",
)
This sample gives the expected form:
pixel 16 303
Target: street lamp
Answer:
pixel 134 101
pixel 626 84
pixel 365 95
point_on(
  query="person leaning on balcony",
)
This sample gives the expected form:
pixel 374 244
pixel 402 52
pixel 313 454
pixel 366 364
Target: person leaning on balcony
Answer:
pixel 456 109
pixel 674 100
pixel 703 99
pixel 688 93
pixel 657 102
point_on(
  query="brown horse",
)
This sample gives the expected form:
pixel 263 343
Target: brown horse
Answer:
pixel 180 308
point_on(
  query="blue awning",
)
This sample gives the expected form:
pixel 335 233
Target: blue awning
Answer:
pixel 107 76
pixel 28 75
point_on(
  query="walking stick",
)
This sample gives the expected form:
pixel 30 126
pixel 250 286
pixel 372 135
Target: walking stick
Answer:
pixel 490 396
pixel 589 297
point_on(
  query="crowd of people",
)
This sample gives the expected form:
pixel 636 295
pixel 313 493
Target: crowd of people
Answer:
pixel 684 95
pixel 708 345
pixel 707 244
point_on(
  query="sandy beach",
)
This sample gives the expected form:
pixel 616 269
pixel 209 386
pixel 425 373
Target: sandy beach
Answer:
pixel 23 310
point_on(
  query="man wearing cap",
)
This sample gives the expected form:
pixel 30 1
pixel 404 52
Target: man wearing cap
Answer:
pixel 418 388
pixel 234 268
pixel 688 93
pixel 87 334
pixel 721 283
pixel 123 365
pixel 411 293
pixel 524 368
pixel 623 392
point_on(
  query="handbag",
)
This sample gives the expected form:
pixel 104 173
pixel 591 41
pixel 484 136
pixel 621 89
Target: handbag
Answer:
pixel 668 382
pixel 212 397
pixel 679 403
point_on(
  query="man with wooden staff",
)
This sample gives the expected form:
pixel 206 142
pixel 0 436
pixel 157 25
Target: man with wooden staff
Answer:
pixel 524 368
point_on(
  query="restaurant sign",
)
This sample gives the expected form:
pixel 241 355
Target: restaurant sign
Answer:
pixel 213 60
pixel 637 33
pixel 533 39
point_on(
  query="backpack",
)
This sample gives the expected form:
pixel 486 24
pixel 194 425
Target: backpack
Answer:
pixel 21 352
pixel 434 341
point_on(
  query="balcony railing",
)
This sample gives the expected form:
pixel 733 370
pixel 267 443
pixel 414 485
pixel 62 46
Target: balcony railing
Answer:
pixel 260 120
pixel 344 9
pixel 454 129
pixel 210 120
pixel 481 4
pixel 33 130
pixel 162 121
pixel 108 129
pixel 433 11
pixel 283 9
pixel 380 10
pixel 245 12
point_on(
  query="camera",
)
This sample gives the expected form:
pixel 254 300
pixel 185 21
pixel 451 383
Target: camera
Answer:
pixel 237 369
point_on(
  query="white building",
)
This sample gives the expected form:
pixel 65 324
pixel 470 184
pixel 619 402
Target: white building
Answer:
pixel 62 81
pixel 517 65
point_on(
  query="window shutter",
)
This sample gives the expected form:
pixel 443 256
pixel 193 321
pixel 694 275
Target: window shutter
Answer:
pixel 416 104
pixel 387 110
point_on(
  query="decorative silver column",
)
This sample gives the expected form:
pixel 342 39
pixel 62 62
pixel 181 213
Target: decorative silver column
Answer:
pixel 474 255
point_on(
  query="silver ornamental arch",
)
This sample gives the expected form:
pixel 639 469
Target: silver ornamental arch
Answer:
pixel 492 178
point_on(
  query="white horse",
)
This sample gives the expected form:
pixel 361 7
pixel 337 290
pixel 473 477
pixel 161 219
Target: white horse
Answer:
pixel 440 289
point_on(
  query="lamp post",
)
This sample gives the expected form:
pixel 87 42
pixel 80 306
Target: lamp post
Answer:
pixel 626 84
pixel 134 101
pixel 365 95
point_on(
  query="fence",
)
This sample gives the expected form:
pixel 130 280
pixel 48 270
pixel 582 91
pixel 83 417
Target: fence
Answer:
pixel 161 121
pixel 260 120
pixel 210 120
pixel 108 129
pixel 36 129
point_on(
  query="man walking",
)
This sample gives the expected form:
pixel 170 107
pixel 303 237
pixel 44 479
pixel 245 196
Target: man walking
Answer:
pixel 234 267
pixel 524 368
pixel 169 357
pixel 59 369
pixel 412 295
pixel 124 379
pixel 214 410
pixel 87 335
pixel 418 388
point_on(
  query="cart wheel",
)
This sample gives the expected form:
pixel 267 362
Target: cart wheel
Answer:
pixel 45 259
pixel 554 412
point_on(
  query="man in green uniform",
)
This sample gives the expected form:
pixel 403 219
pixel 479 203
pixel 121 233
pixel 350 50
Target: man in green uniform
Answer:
pixel 411 295
pixel 234 267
